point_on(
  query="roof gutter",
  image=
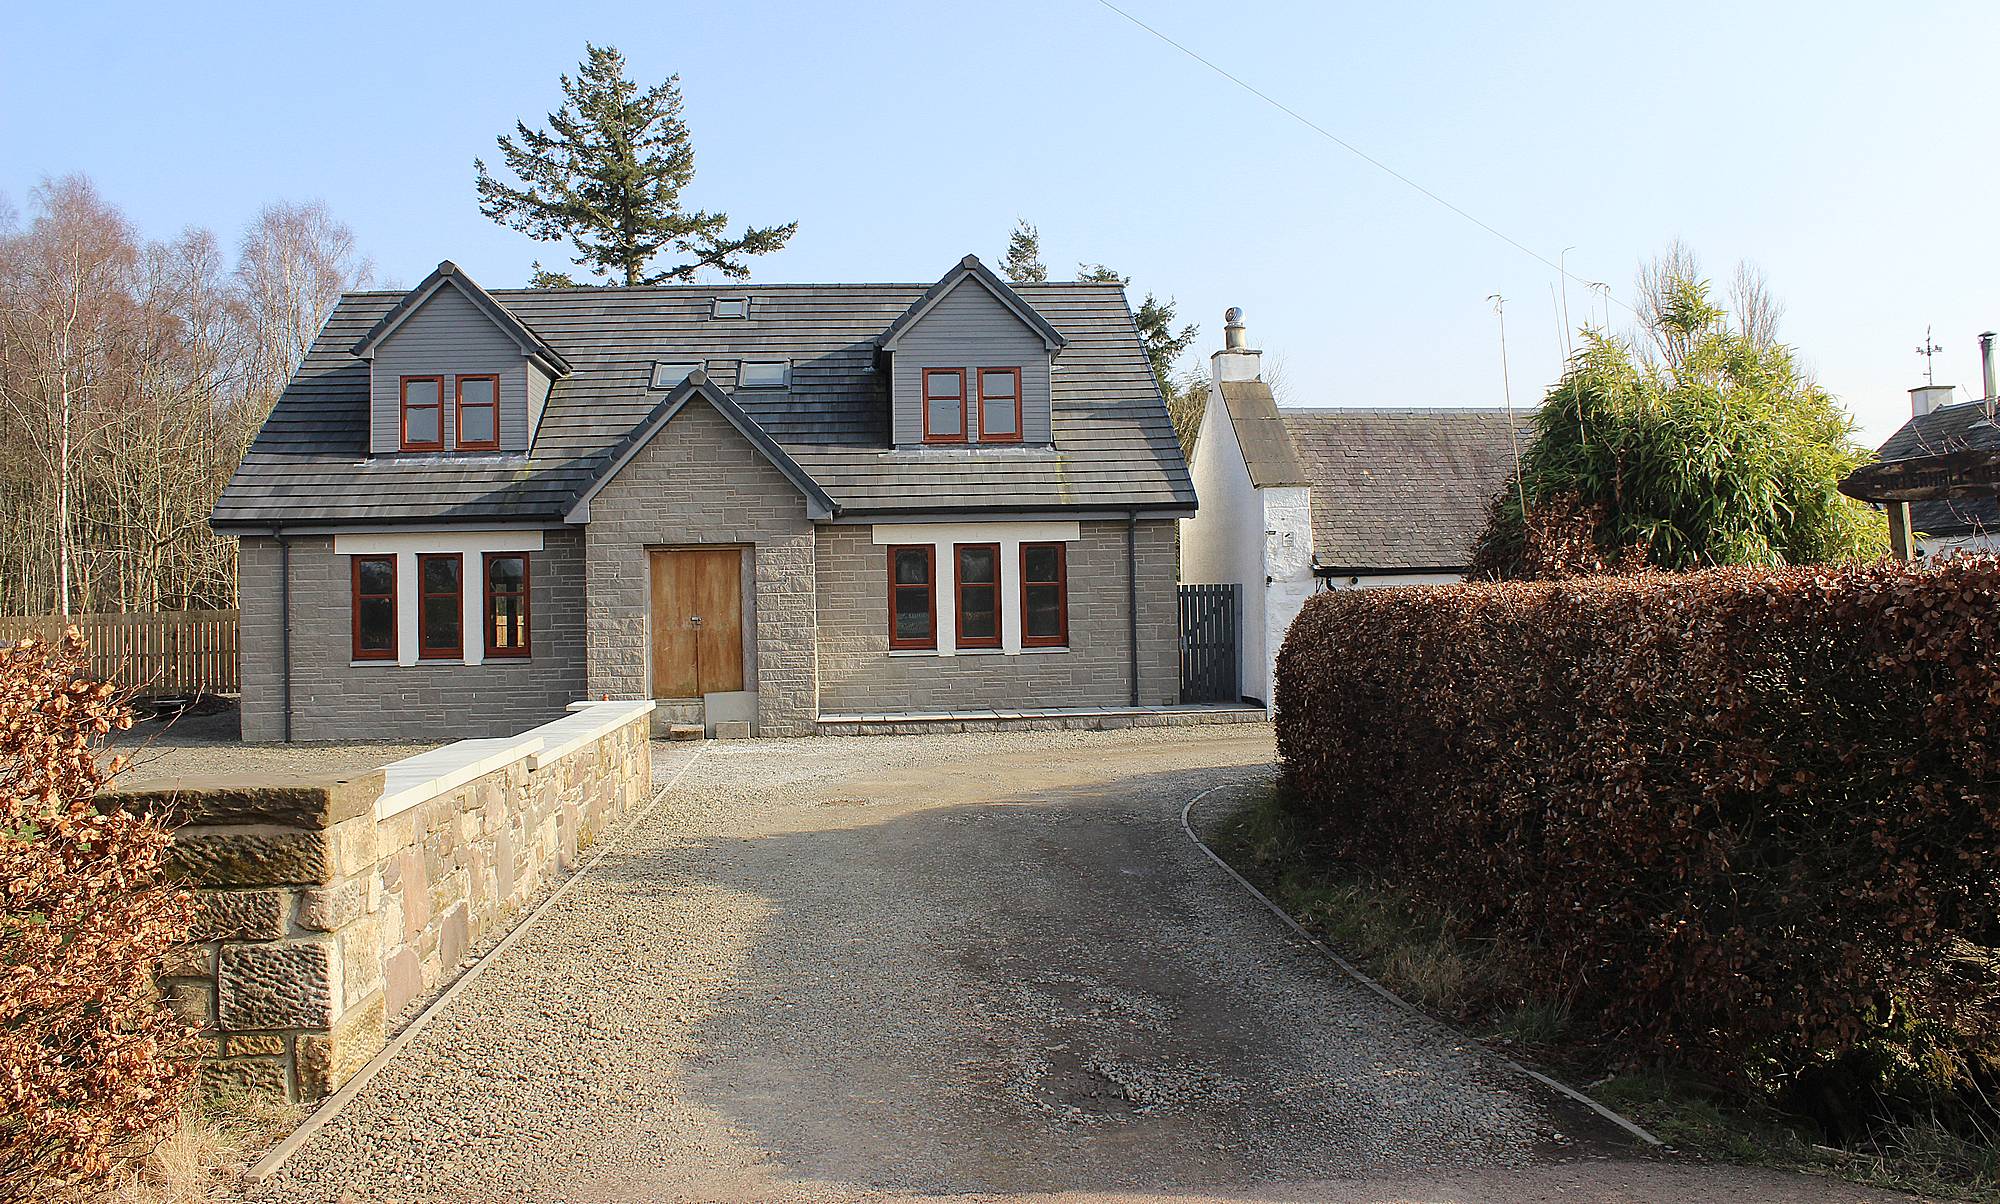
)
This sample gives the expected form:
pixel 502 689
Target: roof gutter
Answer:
pixel 1352 570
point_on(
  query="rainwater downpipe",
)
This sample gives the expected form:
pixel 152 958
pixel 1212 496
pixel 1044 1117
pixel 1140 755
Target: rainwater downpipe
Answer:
pixel 1132 596
pixel 284 624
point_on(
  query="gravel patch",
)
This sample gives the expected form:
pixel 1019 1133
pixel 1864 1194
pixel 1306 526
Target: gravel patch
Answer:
pixel 982 965
pixel 206 747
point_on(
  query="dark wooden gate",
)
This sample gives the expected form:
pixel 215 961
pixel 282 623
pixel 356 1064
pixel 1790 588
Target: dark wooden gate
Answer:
pixel 1208 643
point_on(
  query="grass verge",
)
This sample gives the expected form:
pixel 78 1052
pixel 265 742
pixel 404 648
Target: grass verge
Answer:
pixel 1413 951
pixel 203 1156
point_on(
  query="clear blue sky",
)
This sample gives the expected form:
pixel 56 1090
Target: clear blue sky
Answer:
pixel 1846 148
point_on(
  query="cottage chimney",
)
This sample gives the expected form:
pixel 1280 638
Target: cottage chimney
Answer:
pixel 1926 398
pixel 1991 395
pixel 1237 360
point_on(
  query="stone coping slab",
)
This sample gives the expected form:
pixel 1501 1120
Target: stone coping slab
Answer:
pixel 425 776
pixel 587 721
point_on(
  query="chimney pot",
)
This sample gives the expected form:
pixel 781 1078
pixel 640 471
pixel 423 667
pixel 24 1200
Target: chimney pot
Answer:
pixel 1986 370
pixel 1925 399
pixel 1233 338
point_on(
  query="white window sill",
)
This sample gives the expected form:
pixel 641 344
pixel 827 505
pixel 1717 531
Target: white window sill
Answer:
pixel 439 660
pixel 976 651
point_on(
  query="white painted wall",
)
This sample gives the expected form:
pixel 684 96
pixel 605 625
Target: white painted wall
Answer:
pixel 1224 542
pixel 1386 580
pixel 1945 549
pixel 1288 576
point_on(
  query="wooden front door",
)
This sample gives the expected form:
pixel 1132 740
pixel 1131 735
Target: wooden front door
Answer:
pixel 697 622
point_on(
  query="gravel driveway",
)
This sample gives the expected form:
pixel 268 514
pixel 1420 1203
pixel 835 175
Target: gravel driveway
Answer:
pixel 974 966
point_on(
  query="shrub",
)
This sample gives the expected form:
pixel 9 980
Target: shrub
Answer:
pixel 1746 819
pixel 91 1059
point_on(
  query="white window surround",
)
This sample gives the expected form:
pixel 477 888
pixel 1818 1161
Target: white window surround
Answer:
pixel 1010 537
pixel 471 545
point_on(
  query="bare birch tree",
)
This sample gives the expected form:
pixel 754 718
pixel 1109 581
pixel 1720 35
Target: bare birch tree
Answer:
pixel 132 377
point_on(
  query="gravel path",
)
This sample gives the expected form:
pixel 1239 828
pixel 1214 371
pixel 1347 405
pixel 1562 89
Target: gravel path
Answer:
pixel 939 966
pixel 206 747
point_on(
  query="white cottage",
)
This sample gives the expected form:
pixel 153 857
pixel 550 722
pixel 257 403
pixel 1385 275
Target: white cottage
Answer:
pixel 1295 500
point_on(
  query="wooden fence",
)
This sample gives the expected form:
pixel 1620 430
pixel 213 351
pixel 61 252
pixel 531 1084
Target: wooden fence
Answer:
pixel 159 653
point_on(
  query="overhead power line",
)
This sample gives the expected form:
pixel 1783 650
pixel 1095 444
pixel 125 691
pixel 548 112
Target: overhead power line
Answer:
pixel 1364 156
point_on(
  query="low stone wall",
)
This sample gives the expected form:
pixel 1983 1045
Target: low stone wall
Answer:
pixel 327 907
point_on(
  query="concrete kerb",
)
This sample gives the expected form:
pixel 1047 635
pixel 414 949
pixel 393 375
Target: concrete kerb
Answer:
pixel 274 1159
pixel 1347 967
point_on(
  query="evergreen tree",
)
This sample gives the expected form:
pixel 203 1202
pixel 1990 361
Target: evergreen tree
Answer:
pixel 607 176
pixel 1185 395
pixel 1022 263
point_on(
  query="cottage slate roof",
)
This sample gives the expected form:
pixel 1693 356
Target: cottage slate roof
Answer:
pixel 1401 490
pixel 1260 434
pixel 1114 444
pixel 1961 427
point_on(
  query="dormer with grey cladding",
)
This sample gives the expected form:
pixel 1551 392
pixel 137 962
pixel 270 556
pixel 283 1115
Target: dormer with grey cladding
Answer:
pixel 970 363
pixel 451 370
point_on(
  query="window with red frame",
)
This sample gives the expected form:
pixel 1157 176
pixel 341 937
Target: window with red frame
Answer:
pixel 479 413
pixel 506 578
pixel 944 405
pixel 999 405
pixel 978 594
pixel 912 596
pixel 423 413
pixel 1044 596
pixel 374 608
pixel 440 605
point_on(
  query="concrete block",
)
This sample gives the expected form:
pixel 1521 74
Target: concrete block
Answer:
pixel 732 729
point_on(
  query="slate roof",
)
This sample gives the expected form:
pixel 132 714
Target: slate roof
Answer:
pixel 1114 444
pixel 1260 434
pixel 1951 428
pixel 1401 490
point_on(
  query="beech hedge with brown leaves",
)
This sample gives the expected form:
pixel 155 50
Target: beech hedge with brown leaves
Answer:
pixel 91 1060
pixel 1744 820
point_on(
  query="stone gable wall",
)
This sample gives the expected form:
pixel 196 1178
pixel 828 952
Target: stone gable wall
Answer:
pixel 700 482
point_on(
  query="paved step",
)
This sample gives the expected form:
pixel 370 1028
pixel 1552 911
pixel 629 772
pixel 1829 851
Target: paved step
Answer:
pixel 685 731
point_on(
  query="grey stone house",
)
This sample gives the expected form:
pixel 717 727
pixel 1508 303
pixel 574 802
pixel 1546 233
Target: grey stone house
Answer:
pixel 774 503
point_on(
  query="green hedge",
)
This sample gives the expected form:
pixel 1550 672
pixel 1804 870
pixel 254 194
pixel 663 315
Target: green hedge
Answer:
pixel 1742 820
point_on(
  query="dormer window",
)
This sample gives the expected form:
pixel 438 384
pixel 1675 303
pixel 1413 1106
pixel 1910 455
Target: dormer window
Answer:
pixel 731 307
pixel 944 405
pixel 668 373
pixel 764 374
pixel 423 413
pixel 479 413
pixel 999 405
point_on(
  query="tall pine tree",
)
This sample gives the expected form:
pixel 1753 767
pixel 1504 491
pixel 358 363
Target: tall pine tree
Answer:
pixel 607 176
pixel 1155 318
pixel 1023 262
